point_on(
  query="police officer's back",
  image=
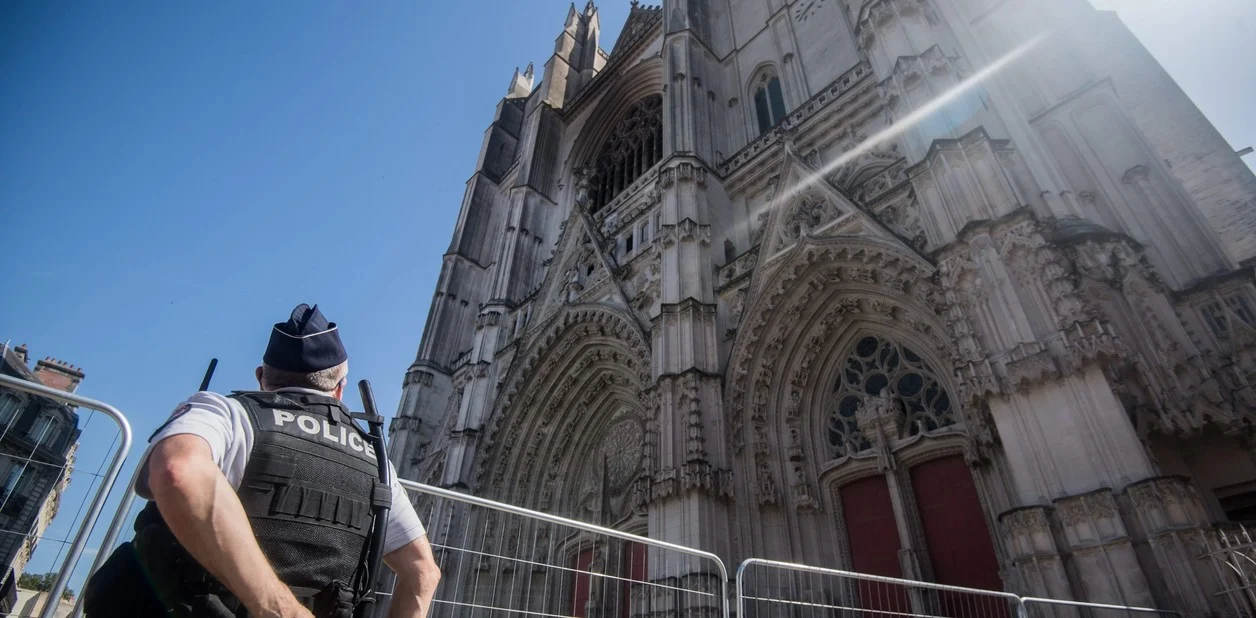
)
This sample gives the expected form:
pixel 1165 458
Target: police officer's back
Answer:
pixel 261 501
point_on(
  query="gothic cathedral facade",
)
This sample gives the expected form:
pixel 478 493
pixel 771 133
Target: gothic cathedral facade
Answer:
pixel 843 280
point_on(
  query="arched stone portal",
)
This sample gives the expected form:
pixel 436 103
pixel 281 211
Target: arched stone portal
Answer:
pixel 570 438
pixel 845 423
pixel 579 397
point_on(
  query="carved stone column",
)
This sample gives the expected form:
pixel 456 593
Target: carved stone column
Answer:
pixel 1034 555
pixel 1103 554
pixel 694 482
pixel 1170 516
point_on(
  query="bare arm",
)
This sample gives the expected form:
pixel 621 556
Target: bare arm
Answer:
pixel 417 576
pixel 206 517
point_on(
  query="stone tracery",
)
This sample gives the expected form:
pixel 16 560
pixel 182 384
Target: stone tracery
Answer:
pixel 877 367
pixel 805 216
pixel 634 146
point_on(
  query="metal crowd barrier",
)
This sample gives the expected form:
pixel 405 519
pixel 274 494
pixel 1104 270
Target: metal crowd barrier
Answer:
pixel 498 559
pixel 1053 608
pixel 771 589
pixel 30 467
pixel 125 514
pixel 1231 551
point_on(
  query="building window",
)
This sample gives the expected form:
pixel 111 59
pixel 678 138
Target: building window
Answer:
pixel 44 431
pixel 769 104
pixel 876 365
pixel 1241 308
pixel 634 146
pixel 1238 501
pixel 1215 319
pixel 1218 319
pixel 12 477
pixel 9 406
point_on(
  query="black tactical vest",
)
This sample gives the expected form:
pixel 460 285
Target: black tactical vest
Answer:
pixel 308 488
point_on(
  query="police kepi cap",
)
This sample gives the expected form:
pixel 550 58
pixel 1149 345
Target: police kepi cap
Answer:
pixel 306 343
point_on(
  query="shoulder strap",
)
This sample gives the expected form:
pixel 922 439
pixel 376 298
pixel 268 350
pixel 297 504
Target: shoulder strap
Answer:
pixel 267 399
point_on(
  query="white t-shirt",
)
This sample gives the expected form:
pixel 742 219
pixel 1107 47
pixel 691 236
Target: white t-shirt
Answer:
pixel 225 425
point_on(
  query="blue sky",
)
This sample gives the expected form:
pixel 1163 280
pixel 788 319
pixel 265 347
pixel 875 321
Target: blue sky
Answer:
pixel 175 177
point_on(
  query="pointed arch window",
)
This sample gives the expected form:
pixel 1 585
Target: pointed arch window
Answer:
pixel 634 146
pixel 769 103
pixel 877 365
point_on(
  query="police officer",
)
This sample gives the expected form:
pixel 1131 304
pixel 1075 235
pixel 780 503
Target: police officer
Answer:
pixel 260 502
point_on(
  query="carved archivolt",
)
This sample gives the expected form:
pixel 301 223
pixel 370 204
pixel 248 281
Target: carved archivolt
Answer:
pixel 581 383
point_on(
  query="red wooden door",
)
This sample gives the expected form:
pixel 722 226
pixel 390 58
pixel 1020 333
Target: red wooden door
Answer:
pixel 955 532
pixel 634 569
pixel 580 592
pixel 872 535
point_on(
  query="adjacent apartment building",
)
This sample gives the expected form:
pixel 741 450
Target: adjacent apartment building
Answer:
pixel 38 439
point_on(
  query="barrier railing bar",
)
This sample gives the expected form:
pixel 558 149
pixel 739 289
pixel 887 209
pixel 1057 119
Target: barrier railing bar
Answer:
pixel 115 529
pixel 882 612
pixel 1019 601
pixel 1128 608
pixel 94 476
pixel 102 492
pixel 864 576
pixel 556 567
pixel 1236 588
pixel 563 521
pixel 501 609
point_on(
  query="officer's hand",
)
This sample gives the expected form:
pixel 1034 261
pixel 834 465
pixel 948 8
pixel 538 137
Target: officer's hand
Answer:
pixel 290 609
pixel 299 611
pixel 278 602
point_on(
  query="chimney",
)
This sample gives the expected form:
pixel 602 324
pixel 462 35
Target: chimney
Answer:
pixel 58 374
pixel 20 351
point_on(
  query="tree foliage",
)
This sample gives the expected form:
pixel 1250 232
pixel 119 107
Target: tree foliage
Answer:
pixel 42 582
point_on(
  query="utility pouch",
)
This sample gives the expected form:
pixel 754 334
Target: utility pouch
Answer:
pixel 334 601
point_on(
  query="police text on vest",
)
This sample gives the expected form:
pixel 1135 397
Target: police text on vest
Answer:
pixel 323 429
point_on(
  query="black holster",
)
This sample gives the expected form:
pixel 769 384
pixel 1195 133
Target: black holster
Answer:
pixel 155 577
pixel 120 589
pixel 334 601
pixel 181 584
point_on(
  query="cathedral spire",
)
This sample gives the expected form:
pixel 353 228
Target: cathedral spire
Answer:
pixel 576 56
